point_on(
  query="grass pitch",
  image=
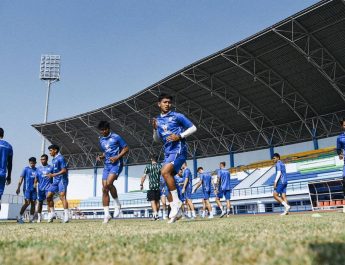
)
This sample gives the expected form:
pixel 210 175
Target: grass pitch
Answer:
pixel 252 239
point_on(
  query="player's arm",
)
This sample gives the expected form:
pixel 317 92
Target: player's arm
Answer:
pixel 9 170
pixel 156 137
pixel 143 178
pixel 124 151
pixel 21 178
pixel 185 185
pixel 100 157
pixel 197 186
pixel 187 124
pixel 339 149
pixel 61 172
pixel 278 175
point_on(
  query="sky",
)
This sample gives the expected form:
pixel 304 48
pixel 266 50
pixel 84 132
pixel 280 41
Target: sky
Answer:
pixel 109 50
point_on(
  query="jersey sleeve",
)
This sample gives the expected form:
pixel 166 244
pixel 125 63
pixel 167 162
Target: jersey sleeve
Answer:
pixel 121 141
pixel 23 173
pixel 146 170
pixel 339 146
pixel 184 121
pixel 62 163
pixel 278 167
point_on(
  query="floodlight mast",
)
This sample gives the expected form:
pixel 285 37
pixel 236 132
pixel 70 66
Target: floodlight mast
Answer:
pixel 49 72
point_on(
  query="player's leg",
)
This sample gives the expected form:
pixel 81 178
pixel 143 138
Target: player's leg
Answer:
pixel 39 210
pixel 164 206
pixel 227 195
pixel 219 203
pixel 203 215
pixel 50 202
pixel 105 200
pixel 27 197
pixel 209 208
pixel 32 210
pixel 110 186
pixel 63 197
pixel 167 173
pixel 287 206
pixel 2 188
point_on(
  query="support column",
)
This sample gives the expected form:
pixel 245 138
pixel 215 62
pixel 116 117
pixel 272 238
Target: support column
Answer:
pixel 271 151
pixel 195 165
pixel 95 180
pixel 232 158
pixel 126 177
pixel 315 141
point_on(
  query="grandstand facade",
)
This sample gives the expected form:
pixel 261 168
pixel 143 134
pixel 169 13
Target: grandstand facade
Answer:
pixel 284 85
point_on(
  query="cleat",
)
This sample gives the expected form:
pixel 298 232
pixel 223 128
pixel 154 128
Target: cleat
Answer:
pixel 288 208
pixel 222 214
pixel 176 218
pixel 107 219
pixel 117 211
pixel 175 208
pixel 211 217
pixel 65 220
pixel 20 221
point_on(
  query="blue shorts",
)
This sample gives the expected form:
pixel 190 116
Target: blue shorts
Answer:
pixel 30 195
pixel 224 193
pixel 281 188
pixel 188 194
pixel 2 185
pixel 112 169
pixel 41 195
pixel 206 194
pixel 58 187
pixel 164 191
pixel 176 159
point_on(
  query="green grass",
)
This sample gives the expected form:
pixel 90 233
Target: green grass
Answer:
pixel 252 239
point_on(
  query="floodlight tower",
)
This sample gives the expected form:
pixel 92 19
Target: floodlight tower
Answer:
pixel 49 72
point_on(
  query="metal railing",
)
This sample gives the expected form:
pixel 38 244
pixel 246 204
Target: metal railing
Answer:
pixel 10 198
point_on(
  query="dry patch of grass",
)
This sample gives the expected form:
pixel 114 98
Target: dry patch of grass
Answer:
pixel 271 239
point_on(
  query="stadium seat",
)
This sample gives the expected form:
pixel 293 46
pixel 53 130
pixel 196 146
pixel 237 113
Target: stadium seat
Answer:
pixel 326 203
pixel 332 203
pixel 320 204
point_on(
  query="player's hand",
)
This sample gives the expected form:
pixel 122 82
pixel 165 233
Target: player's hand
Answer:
pixel 50 175
pixel 154 124
pixel 8 180
pixel 113 159
pixel 173 138
pixel 341 157
pixel 275 186
pixel 18 191
pixel 141 187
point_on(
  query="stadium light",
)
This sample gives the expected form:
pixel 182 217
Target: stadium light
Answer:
pixel 49 72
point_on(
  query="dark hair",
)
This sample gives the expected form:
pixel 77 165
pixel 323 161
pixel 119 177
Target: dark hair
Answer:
pixel 1 132
pixel 276 155
pixel 342 121
pixel 54 146
pixel 45 156
pixel 32 159
pixel 154 157
pixel 223 163
pixel 163 96
pixel 103 125
pixel 199 169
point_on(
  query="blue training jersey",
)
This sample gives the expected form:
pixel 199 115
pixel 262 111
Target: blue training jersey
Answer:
pixel 173 123
pixel 112 145
pixel 6 152
pixel 179 182
pixel 162 183
pixel 59 163
pixel 188 174
pixel 341 144
pixel 29 174
pixel 206 181
pixel 280 166
pixel 224 178
pixel 43 180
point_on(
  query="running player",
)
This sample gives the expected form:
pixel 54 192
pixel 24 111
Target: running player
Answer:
pixel 29 177
pixel 60 182
pixel 187 189
pixel 6 155
pixel 153 194
pixel 172 128
pixel 43 184
pixel 223 189
pixel 114 148
pixel 280 183
pixel 205 182
pixel 179 182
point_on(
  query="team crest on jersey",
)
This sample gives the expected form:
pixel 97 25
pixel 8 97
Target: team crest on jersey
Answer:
pixel 165 127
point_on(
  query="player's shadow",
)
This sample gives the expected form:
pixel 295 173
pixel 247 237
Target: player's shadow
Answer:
pixel 328 253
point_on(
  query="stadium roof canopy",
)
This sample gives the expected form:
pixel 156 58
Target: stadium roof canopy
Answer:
pixel 283 85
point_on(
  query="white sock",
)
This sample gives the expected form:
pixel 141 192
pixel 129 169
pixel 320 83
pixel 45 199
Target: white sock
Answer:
pixel 52 212
pixel 285 204
pixel 106 210
pixel 39 214
pixel 163 212
pixel 155 214
pixel 66 212
pixel 211 213
pixel 193 214
pixel 174 196
pixel 31 217
pixel 117 202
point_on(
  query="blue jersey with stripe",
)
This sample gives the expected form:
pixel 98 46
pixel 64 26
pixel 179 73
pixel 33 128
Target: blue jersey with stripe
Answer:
pixel 29 175
pixel 280 166
pixel 341 144
pixel 173 123
pixel 112 145
pixel 59 163
pixel 188 174
pixel 179 182
pixel 206 179
pixel 6 152
pixel 43 180
pixel 224 177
